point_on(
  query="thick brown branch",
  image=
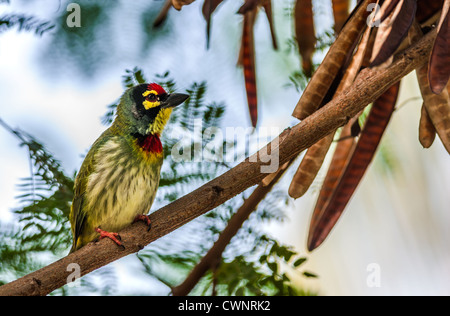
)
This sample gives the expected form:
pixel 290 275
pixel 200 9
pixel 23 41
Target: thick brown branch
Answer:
pixel 368 86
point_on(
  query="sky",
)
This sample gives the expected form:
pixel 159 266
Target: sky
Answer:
pixel 396 224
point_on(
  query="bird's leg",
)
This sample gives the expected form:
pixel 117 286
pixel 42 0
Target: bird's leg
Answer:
pixel 113 236
pixel 145 219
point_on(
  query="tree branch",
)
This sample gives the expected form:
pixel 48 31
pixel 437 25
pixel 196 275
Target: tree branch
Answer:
pixel 368 86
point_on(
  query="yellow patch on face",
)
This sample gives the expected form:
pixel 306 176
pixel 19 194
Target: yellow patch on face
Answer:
pixel 149 104
pixel 160 121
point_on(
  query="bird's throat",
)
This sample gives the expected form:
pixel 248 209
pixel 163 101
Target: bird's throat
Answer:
pixel 149 143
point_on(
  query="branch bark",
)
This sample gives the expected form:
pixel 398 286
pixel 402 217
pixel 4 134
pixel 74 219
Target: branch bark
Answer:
pixel 368 86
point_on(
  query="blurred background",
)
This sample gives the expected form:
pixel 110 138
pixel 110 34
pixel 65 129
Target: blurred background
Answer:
pixel 57 85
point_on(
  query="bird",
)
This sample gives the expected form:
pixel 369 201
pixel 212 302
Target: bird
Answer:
pixel 118 179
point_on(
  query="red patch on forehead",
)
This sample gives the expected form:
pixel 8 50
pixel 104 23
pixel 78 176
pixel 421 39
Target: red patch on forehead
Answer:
pixel 156 87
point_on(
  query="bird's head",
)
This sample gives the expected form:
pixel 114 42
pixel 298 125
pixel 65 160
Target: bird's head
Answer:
pixel 145 109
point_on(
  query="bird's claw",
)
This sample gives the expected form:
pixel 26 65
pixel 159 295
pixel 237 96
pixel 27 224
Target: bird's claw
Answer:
pixel 145 219
pixel 113 236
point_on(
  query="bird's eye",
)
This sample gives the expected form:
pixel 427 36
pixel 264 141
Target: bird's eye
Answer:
pixel 152 97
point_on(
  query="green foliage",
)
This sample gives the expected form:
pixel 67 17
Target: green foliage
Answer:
pixel 298 79
pixel 269 275
pixel 25 23
pixel 386 161
pixel 325 40
pixel 263 270
pixel 42 220
pixel 168 267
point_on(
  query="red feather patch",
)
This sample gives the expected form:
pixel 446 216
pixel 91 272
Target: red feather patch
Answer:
pixel 157 88
pixel 150 143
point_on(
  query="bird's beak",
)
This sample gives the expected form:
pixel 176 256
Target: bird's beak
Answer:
pixel 174 99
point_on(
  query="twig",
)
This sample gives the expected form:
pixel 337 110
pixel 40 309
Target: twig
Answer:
pixel 368 86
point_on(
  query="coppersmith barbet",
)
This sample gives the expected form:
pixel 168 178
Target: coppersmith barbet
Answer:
pixel 119 177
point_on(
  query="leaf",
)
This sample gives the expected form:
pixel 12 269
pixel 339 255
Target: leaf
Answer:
pixel 285 253
pixel 240 291
pixel 273 266
pixel 25 23
pixel 248 62
pixel 267 4
pixel 315 155
pixel 162 15
pixel 309 274
pixel 249 5
pixel 427 9
pixel 299 262
pixel 139 76
pixel 309 167
pixel 360 159
pixel 388 7
pixel 209 6
pixel 305 33
pixel 178 4
pixel 327 74
pixel 393 30
pixel 427 131
pixel 340 13
pixel 263 259
pixel 233 284
pixel 437 106
pixel 347 142
pixel 439 68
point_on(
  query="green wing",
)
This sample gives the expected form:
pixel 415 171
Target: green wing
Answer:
pixel 78 213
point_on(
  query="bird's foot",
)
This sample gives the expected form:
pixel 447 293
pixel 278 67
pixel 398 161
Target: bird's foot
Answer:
pixel 145 219
pixel 113 236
